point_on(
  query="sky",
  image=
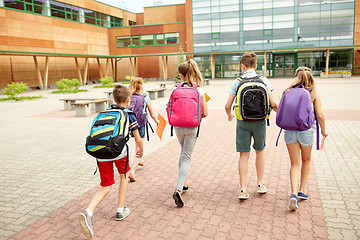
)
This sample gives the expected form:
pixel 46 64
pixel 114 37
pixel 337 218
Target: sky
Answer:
pixel 137 6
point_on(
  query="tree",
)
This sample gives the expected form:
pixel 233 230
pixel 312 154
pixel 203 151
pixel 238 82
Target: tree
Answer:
pixel 182 59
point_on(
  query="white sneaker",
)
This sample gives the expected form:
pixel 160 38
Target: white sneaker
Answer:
pixel 86 224
pixel 243 195
pixel 262 189
pixel 120 216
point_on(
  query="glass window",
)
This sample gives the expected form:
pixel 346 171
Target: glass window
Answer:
pixel 122 42
pixel 14 4
pixel 147 40
pixel 160 39
pixel 267 32
pixel 215 35
pixel 57 9
pixel 135 41
pixel 116 22
pixel 171 38
pixel 132 23
pixel 89 16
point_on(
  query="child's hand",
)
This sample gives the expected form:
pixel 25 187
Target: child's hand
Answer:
pixel 139 154
pixel 324 133
pixel 230 117
pixel 157 121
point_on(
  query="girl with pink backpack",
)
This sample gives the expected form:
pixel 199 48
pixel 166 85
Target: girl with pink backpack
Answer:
pixel 299 142
pixel 185 109
pixel 139 104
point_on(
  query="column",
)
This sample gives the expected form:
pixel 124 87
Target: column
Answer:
pixel 82 15
pixel 212 59
pixel 265 64
pixel 46 9
pixel 327 60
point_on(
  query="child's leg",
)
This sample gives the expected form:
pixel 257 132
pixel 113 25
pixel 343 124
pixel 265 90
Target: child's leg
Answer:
pixel 98 197
pixel 243 169
pixel 187 139
pixel 135 164
pixel 260 166
pixel 122 191
pixel 305 167
pixel 294 153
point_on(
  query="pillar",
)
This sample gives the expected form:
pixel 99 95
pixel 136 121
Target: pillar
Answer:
pixel 82 15
pixel 46 9
pixel 212 59
pixel 265 64
pixel 327 60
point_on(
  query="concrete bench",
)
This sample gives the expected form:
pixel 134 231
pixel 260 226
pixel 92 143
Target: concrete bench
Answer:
pixel 68 102
pixel 206 81
pixel 110 96
pixel 157 92
pixel 83 109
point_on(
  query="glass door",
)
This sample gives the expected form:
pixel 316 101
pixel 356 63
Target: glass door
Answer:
pixel 284 65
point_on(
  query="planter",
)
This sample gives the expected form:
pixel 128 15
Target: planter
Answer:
pixel 346 75
pixel 324 76
pixel 335 75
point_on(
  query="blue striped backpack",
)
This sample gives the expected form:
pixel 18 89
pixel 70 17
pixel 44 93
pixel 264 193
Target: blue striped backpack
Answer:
pixel 109 133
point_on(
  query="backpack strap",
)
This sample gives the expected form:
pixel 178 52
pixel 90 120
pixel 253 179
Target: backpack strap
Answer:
pixel 317 132
pixel 277 140
pixel 127 159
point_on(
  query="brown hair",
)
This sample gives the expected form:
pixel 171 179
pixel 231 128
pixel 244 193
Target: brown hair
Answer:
pixel 136 84
pixel 304 77
pixel 191 72
pixel 249 59
pixel 121 93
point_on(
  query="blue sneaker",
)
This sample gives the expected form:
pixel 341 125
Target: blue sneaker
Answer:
pixel 293 203
pixel 302 196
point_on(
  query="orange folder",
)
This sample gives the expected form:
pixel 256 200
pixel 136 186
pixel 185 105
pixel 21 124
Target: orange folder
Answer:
pixel 161 126
pixel 207 98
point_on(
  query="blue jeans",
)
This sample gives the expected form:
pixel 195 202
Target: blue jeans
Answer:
pixel 305 138
pixel 187 139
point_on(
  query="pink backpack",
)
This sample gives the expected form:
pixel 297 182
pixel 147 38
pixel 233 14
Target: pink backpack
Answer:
pixel 184 108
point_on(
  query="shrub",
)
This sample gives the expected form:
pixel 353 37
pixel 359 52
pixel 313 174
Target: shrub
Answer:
pixel 67 85
pixel 107 81
pixel 128 78
pixel 14 89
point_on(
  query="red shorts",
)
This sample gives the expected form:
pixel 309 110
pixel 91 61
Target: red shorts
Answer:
pixel 106 170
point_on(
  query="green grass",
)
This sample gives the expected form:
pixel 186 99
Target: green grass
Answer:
pixel 104 86
pixel 19 98
pixel 70 91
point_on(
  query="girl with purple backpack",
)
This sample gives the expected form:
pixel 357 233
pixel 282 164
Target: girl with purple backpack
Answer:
pixel 299 142
pixel 187 136
pixel 139 104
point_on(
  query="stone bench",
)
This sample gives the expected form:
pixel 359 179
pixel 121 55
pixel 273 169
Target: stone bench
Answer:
pixel 206 81
pixel 110 96
pixel 68 102
pixel 157 92
pixel 83 109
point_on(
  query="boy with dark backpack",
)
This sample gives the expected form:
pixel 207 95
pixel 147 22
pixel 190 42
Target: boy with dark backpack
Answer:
pixel 107 142
pixel 254 101
pixel 139 104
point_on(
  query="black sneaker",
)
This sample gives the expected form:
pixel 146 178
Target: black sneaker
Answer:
pixel 185 188
pixel 178 201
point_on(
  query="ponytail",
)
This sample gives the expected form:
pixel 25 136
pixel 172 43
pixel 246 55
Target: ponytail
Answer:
pixel 191 72
pixel 304 77
pixel 135 85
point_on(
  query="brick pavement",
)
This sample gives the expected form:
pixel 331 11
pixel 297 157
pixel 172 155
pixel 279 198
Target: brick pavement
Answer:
pixel 55 194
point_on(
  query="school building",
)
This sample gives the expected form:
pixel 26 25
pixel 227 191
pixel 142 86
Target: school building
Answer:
pixel 42 41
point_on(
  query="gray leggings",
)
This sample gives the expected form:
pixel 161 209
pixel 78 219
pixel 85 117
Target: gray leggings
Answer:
pixel 187 139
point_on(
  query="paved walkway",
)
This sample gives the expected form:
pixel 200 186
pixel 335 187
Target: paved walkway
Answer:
pixel 47 178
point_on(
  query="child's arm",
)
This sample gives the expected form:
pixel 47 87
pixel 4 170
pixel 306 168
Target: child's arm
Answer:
pixel 320 116
pixel 228 107
pixel 139 143
pixel 151 112
pixel 204 106
pixel 273 101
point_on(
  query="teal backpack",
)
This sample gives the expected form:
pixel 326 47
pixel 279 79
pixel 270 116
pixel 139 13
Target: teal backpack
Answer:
pixel 109 134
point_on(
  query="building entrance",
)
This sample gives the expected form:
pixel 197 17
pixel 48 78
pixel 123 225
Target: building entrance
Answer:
pixel 284 65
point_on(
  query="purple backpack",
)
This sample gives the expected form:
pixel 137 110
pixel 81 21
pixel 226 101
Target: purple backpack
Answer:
pixel 295 110
pixel 137 102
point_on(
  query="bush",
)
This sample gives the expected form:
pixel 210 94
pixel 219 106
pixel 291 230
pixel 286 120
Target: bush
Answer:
pixel 67 85
pixel 14 89
pixel 107 81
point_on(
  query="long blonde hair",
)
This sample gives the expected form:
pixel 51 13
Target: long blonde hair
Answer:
pixel 191 72
pixel 136 85
pixel 304 77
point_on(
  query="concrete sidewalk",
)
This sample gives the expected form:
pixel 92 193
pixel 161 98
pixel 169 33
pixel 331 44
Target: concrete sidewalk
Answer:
pixel 46 177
